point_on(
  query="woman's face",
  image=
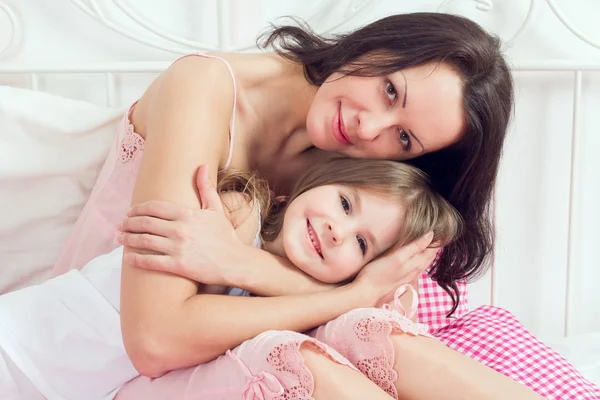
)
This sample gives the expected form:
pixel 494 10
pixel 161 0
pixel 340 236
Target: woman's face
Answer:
pixel 395 117
pixel 332 231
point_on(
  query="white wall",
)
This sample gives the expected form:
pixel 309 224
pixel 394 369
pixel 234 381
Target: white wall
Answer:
pixel 533 197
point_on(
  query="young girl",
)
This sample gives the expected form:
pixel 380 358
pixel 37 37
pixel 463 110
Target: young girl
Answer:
pixel 62 339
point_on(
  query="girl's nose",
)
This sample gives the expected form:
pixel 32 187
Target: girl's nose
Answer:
pixel 335 234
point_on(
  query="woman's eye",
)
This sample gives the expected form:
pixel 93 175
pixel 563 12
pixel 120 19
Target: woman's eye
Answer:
pixel 390 91
pixel 404 139
pixel 345 204
pixel 363 245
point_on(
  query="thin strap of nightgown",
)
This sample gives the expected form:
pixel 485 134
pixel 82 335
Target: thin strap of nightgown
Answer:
pixel 414 302
pixel 232 122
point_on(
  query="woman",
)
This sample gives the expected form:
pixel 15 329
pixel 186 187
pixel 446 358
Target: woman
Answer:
pixel 443 93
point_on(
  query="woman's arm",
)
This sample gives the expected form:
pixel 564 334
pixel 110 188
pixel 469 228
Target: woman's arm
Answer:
pixel 193 92
pixel 257 271
pixel 205 326
pixel 183 237
pixel 209 325
pixel 265 274
pixel 213 324
pixel 243 214
pixel 262 275
pixel 165 324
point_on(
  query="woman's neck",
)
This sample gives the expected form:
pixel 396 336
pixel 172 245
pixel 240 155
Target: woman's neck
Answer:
pixel 277 101
pixel 273 101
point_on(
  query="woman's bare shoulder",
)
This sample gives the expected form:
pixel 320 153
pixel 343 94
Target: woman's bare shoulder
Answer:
pixel 191 80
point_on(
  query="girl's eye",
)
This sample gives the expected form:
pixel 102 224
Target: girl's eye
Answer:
pixel 345 204
pixel 404 139
pixel 390 91
pixel 363 245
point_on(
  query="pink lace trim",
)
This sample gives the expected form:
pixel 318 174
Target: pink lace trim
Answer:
pixel 375 359
pixel 374 333
pixel 287 358
pixel 131 144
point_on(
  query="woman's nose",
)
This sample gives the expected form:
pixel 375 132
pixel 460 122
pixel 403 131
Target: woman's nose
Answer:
pixel 370 126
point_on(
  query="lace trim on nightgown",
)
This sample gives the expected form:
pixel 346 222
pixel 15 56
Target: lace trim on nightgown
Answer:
pixel 131 144
pixel 287 358
pixel 374 333
pixel 368 347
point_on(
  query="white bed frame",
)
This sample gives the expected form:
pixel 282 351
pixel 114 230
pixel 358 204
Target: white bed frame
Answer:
pixel 577 67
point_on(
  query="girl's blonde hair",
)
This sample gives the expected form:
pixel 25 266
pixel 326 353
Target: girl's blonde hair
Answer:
pixel 255 188
pixel 426 210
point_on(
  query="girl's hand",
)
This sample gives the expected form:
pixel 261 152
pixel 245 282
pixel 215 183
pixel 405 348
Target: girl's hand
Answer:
pixel 193 243
pixel 399 265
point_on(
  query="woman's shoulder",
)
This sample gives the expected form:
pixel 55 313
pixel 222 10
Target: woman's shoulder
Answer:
pixel 230 66
pixel 198 72
pixel 193 81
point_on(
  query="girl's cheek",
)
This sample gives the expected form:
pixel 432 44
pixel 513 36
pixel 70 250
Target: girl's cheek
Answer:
pixel 347 266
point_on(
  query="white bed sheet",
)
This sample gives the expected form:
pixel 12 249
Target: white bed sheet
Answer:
pixel 51 151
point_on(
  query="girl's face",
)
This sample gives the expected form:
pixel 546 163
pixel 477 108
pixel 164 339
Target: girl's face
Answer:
pixel 331 232
pixel 395 117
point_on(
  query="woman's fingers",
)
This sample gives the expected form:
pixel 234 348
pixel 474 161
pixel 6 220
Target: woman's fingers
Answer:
pixel 143 241
pixel 408 251
pixel 415 257
pixel 158 209
pixel 424 260
pixel 400 265
pixel 431 255
pixel 151 225
pixel 206 189
pixel 155 262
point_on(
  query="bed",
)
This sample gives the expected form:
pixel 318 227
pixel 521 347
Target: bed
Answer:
pixel 68 69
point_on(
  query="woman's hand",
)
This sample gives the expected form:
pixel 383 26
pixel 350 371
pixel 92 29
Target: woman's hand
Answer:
pixel 193 243
pixel 399 265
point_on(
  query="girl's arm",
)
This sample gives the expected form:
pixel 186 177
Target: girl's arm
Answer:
pixel 263 275
pixel 184 237
pixel 243 214
pixel 189 237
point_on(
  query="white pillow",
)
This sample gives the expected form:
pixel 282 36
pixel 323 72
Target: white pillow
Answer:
pixel 51 151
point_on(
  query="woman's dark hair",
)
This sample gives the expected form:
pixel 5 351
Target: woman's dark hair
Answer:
pixel 465 173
